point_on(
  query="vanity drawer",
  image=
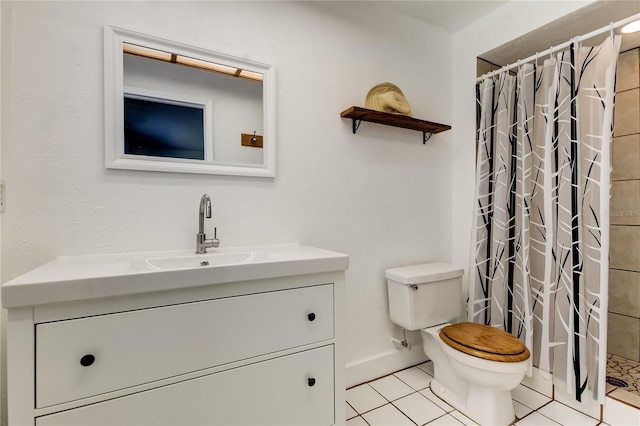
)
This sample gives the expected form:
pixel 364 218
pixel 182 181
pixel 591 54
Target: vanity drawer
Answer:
pixel 291 390
pixel 88 356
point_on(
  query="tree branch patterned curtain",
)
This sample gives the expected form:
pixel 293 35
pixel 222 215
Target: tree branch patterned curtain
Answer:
pixel 541 236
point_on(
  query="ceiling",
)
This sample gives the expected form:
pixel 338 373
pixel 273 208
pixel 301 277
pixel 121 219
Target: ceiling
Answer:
pixel 581 22
pixel 450 15
pixel 453 15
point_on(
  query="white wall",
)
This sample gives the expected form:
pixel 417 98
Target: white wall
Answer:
pixel 380 196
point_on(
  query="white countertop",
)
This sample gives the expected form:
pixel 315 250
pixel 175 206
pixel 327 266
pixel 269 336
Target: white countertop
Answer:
pixel 87 277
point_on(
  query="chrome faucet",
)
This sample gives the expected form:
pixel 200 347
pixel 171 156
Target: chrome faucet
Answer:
pixel 202 244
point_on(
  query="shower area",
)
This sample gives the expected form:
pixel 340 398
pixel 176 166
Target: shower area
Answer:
pixel 623 319
pixel 623 363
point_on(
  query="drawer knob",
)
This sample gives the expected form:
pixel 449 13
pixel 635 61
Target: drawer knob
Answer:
pixel 311 316
pixel 87 360
pixel 311 381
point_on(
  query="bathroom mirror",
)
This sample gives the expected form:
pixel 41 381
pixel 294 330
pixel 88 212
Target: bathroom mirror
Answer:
pixel 173 107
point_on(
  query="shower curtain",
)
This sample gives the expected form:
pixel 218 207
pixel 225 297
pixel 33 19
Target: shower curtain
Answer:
pixel 541 226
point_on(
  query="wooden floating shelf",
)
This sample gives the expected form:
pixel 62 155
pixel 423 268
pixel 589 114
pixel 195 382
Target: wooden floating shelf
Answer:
pixel 357 115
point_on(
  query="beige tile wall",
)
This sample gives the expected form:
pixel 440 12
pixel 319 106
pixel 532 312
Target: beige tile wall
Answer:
pixel 483 67
pixel 624 253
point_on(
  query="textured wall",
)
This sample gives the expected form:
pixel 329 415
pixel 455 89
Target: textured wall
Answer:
pixel 624 272
pixel 380 196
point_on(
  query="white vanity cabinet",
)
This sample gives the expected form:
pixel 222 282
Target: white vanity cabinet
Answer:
pixel 265 351
pixel 273 392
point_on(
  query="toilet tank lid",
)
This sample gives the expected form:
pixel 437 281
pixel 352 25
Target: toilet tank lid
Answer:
pixel 424 273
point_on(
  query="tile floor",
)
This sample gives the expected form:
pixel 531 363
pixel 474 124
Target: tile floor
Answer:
pixel 623 380
pixel 404 398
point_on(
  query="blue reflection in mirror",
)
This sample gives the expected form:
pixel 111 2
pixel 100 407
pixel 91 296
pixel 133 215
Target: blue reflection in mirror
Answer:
pixel 163 128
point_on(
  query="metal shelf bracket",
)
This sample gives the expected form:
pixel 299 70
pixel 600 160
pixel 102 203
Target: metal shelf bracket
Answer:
pixel 355 124
pixel 426 135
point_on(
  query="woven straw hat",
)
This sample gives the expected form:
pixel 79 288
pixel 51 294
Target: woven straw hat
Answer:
pixel 387 97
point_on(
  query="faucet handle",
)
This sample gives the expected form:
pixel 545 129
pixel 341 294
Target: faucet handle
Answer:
pixel 215 242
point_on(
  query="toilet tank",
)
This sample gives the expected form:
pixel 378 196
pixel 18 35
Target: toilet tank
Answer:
pixel 424 295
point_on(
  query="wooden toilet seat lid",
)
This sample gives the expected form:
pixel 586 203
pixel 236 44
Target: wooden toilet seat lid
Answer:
pixel 484 342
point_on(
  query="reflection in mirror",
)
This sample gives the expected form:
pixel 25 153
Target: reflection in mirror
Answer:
pixel 173 107
pixel 163 126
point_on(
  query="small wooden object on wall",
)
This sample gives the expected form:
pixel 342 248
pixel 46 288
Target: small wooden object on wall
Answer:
pixel 251 140
pixel 358 114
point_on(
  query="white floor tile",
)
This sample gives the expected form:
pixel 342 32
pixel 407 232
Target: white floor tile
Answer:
pixel 424 407
pixel 446 420
pixel 414 377
pixel 418 408
pixel 539 381
pixel 391 387
pixel 520 409
pixel 427 367
pixel 364 398
pixel 433 398
pixel 536 419
pixel 566 416
pixel 357 421
pixel 463 419
pixel 350 412
pixel 387 415
pixel 529 397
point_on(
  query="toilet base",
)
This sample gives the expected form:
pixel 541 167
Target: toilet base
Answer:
pixel 490 407
pixel 485 407
pixel 446 395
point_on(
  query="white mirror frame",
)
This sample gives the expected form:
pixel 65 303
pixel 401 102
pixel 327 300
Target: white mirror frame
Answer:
pixel 115 158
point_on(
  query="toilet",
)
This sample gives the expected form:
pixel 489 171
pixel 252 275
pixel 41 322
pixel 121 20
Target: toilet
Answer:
pixel 475 366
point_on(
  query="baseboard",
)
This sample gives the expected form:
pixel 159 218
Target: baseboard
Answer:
pixel 383 364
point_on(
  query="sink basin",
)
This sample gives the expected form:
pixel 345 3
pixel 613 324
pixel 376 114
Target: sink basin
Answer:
pixel 209 259
pixel 89 277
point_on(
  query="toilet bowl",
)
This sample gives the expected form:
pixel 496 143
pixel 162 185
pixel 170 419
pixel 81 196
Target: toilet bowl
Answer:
pixel 480 388
pixel 475 366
